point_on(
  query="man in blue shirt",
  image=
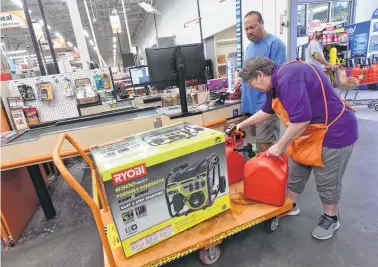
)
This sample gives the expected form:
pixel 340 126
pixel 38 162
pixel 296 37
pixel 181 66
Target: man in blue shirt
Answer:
pixel 267 45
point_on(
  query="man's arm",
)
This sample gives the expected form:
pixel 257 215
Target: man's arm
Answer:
pixel 321 59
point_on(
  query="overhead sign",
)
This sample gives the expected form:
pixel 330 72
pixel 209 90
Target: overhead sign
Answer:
pixel 116 24
pixel 12 19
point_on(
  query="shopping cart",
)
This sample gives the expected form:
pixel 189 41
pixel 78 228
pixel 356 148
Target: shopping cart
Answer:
pixel 205 236
pixel 343 81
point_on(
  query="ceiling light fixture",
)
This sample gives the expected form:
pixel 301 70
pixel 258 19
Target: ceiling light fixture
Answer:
pixel 149 9
pixel 114 46
pixel 57 34
pixel 91 42
pixel 85 33
pixel 114 39
pixel 16 52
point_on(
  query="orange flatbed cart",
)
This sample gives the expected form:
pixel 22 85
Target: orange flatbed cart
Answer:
pixel 205 236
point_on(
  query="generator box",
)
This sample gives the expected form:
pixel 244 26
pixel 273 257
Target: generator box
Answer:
pixel 162 182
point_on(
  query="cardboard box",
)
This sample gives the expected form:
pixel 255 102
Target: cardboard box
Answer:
pixel 162 182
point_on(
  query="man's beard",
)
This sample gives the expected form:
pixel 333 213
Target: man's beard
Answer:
pixel 253 38
pixel 319 37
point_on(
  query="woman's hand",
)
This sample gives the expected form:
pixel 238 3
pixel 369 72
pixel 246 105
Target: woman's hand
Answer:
pixel 240 126
pixel 275 150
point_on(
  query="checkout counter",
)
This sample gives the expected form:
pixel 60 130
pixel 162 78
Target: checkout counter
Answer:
pixel 35 146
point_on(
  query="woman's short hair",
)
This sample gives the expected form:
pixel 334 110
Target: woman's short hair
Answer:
pixel 263 64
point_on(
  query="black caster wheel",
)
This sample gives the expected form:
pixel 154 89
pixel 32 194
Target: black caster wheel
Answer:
pixel 272 224
pixel 370 105
pixel 376 108
pixel 11 243
pixel 210 256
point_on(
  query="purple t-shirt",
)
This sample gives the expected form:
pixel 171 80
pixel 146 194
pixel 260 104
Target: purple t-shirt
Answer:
pixel 300 93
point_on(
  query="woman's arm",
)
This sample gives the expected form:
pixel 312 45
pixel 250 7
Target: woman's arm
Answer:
pixel 293 131
pixel 258 117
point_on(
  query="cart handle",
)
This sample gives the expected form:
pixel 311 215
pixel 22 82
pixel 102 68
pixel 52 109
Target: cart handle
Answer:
pixel 81 191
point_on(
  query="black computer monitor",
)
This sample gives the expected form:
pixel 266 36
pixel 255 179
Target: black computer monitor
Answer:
pixel 139 75
pixel 194 58
pixel 161 65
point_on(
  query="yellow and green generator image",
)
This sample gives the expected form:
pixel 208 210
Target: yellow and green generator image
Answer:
pixel 193 187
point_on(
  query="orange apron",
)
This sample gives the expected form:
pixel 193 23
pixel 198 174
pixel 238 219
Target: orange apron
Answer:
pixel 307 148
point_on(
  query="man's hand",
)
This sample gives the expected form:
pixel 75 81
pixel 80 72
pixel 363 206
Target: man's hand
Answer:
pixel 331 67
pixel 275 150
pixel 237 85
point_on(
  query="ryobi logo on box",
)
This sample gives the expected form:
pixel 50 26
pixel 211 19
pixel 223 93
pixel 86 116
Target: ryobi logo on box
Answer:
pixel 126 175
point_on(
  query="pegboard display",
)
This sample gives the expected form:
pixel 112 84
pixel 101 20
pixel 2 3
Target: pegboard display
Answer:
pixel 62 106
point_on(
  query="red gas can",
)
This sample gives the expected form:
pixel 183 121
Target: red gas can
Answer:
pixel 265 179
pixel 235 161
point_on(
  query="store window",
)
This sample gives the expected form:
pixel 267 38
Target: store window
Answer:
pixel 318 12
pixel 301 20
pixel 325 11
pixel 340 11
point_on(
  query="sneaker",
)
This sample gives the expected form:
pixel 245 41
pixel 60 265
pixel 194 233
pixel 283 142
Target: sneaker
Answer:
pixel 325 228
pixel 294 211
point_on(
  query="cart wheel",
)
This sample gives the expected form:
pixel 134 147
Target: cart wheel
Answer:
pixel 11 243
pixel 370 105
pixel 272 224
pixel 376 108
pixel 210 256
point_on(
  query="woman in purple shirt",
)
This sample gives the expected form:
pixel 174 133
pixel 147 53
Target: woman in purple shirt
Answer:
pixel 320 133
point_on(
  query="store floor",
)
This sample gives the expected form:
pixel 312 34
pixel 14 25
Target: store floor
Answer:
pixel 72 240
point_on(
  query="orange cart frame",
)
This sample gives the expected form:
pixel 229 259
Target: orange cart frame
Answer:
pixel 205 236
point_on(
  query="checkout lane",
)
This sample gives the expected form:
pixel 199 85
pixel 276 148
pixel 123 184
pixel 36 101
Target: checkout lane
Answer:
pixel 37 144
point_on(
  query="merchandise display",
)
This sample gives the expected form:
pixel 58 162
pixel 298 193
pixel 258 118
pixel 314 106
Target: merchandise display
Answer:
pixel 19 119
pixel 26 92
pixel 85 93
pixel 31 115
pixel 162 182
pixel 69 90
pixel 45 91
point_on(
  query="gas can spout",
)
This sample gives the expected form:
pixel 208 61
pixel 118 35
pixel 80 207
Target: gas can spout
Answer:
pixel 246 149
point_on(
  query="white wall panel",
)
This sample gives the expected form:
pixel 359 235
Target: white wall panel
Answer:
pixel 365 9
pixel 217 16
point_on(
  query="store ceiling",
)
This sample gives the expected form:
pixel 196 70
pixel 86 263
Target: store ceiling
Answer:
pixel 58 18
